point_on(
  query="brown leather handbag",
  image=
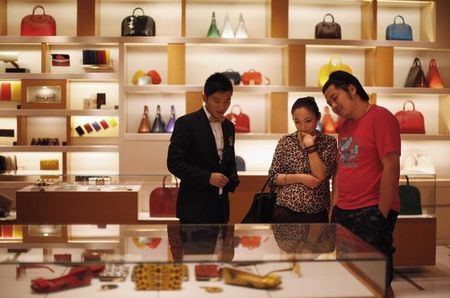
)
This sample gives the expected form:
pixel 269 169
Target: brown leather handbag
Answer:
pixel 433 77
pixel 326 29
pixel 163 200
pixel 416 77
pixel 411 121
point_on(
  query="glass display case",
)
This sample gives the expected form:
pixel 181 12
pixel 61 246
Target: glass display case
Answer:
pixel 263 260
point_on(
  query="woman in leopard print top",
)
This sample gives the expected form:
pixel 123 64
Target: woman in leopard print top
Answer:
pixel 303 163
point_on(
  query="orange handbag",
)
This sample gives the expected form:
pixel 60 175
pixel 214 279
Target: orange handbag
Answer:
pixel 433 77
pixel 163 200
pixel 251 77
pixel 411 121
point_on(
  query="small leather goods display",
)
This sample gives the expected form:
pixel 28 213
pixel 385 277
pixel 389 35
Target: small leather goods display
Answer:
pixel 233 76
pixel 236 277
pixel 253 77
pixel 159 277
pixel 49 164
pixel 138 25
pixel 433 78
pixel 410 201
pixel 250 242
pixel 326 29
pixel 416 76
pixel 60 60
pixel 38 24
pixel 399 31
pixel 163 200
pixel 411 121
pixel 334 64
pixel 240 120
pixel 206 272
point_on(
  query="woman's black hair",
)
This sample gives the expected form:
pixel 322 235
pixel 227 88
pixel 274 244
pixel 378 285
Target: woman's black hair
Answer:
pixel 308 103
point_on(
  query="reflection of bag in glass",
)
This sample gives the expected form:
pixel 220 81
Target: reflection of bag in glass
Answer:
pixel 410 202
pixel 240 120
pixel 410 121
pixel 38 24
pixel 333 64
pixel 399 31
pixel 163 200
pixel 138 25
pixel 326 29
pixel 213 31
pixel 433 78
pixel 158 123
pixel 262 206
pixel 416 76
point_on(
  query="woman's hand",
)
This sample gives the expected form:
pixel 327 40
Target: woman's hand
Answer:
pixel 310 181
pixel 307 139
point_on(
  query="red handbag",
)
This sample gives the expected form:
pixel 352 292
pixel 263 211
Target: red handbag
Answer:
pixel 240 120
pixel 38 24
pixel 433 77
pixel 410 121
pixel 163 200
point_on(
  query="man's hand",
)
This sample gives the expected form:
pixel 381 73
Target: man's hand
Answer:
pixel 218 180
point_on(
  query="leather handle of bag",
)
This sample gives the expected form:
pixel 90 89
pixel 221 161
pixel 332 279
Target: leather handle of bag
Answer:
pixel 236 107
pixel 328 14
pixel 334 58
pixel 138 8
pixel 399 16
pixel 407 180
pixel 164 182
pixel 432 63
pixel 409 101
pixel 39 6
pixel 417 62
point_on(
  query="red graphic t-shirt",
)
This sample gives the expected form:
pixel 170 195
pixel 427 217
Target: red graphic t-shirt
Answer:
pixel 362 144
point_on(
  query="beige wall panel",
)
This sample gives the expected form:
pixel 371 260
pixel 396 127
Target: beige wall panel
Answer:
pixel 88 14
pixel 176 63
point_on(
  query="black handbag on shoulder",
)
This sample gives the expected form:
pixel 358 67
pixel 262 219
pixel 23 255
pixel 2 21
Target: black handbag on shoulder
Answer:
pixel 262 206
pixel 410 202
pixel 138 25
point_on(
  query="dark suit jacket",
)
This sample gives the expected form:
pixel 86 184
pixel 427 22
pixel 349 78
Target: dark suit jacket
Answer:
pixel 192 157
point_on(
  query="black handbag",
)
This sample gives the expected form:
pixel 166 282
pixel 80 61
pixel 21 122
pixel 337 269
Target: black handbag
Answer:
pixel 416 76
pixel 410 202
pixel 262 206
pixel 233 76
pixel 328 29
pixel 138 25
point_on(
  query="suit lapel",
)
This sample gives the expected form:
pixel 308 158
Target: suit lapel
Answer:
pixel 208 133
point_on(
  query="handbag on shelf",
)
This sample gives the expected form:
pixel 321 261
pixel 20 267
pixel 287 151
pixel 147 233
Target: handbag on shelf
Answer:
pixel 138 25
pixel 433 78
pixel 253 77
pixel 213 31
pixel 144 126
pixel 240 163
pixel 158 123
pixel 410 201
pixel 38 24
pixel 163 200
pixel 334 64
pixel 240 120
pixel 326 29
pixel 227 30
pixel 262 206
pixel 241 31
pixel 233 76
pixel 399 31
pixel 411 121
pixel 416 76
pixel 328 123
pixel 171 123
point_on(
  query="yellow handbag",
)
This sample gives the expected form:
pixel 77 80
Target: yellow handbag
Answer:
pixel 157 277
pixel 333 64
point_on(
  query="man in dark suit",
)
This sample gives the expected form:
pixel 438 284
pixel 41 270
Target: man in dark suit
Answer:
pixel 201 154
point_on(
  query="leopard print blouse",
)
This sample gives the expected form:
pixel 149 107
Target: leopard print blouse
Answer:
pixel 290 158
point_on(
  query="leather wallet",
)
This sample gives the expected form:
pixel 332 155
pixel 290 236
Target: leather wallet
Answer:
pixel 79 130
pixel 88 127
pixel 96 126
pixel 104 124
pixel 205 272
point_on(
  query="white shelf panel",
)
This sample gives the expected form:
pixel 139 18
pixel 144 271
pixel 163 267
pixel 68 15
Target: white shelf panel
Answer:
pixel 110 76
pixel 56 112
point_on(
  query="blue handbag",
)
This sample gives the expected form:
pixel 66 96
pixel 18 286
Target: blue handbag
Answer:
pixel 399 31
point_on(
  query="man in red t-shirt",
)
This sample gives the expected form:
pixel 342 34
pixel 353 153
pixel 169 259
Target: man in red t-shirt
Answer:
pixel 365 195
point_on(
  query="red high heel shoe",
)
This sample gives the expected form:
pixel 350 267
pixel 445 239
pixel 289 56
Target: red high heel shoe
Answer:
pixel 77 277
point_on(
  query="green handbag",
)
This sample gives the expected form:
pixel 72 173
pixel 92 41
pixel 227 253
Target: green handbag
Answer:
pixel 410 203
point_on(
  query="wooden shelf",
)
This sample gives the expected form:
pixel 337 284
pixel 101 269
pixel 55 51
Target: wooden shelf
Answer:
pixel 77 148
